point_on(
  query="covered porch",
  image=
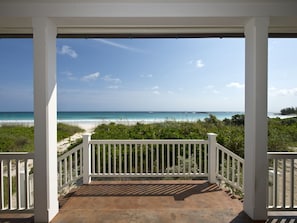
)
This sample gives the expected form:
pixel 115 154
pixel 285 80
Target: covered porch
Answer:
pixel 47 20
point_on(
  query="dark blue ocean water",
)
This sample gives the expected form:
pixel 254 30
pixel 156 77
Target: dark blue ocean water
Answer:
pixel 117 116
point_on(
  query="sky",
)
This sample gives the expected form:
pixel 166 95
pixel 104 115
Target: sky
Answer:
pixel 203 74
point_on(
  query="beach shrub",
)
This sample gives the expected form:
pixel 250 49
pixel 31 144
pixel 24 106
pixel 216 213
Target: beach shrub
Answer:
pixel 282 134
pixel 237 120
pixel 65 131
pixel 289 111
pixel 17 138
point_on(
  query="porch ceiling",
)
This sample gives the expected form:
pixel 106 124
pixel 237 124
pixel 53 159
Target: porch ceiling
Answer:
pixel 225 17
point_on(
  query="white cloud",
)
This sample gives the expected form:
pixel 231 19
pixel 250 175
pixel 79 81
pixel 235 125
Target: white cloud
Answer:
pixel 69 75
pixel 155 90
pixel 170 92
pixel 146 76
pixel 235 85
pixel 199 64
pixel 211 88
pixel 67 50
pixel 108 78
pixel 283 92
pixel 117 45
pixel 91 77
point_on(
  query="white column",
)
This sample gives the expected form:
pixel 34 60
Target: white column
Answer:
pixel 45 120
pixel 255 174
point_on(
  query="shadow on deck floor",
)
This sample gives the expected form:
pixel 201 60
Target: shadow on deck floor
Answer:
pixel 148 202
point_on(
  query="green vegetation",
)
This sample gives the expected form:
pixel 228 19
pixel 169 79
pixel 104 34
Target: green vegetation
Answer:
pixel 282 134
pixel 229 135
pixel 21 138
pixel 64 131
pixel 16 138
pixel 289 111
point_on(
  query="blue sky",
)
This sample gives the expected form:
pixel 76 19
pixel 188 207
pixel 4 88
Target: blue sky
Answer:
pixel 204 74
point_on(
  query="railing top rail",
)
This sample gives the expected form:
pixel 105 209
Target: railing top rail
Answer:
pixel 16 155
pixel 73 150
pixel 146 141
pixel 282 155
pixel 230 153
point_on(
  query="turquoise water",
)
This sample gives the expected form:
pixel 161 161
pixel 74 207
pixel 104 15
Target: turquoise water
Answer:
pixel 117 116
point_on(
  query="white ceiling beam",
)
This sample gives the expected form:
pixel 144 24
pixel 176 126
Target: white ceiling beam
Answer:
pixel 150 16
pixel 204 9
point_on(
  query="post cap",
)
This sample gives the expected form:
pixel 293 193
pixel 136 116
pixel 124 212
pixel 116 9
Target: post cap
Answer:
pixel 212 134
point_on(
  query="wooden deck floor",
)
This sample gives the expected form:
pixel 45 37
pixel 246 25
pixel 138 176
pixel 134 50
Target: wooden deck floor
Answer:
pixel 147 202
pixel 150 201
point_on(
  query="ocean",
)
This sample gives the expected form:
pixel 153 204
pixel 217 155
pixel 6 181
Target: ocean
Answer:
pixel 96 117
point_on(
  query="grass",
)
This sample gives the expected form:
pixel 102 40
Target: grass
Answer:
pixel 65 131
pixel 17 138
pixel 282 134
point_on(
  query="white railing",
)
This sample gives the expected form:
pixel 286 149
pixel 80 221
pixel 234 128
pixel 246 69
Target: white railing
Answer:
pixel 148 158
pixel 16 177
pixel 70 167
pixel 282 193
pixel 16 181
pixel 230 168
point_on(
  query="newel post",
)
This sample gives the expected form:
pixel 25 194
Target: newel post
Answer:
pixel 86 158
pixel 212 145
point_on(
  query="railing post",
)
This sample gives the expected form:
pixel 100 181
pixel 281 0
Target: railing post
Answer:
pixel 86 158
pixel 212 145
